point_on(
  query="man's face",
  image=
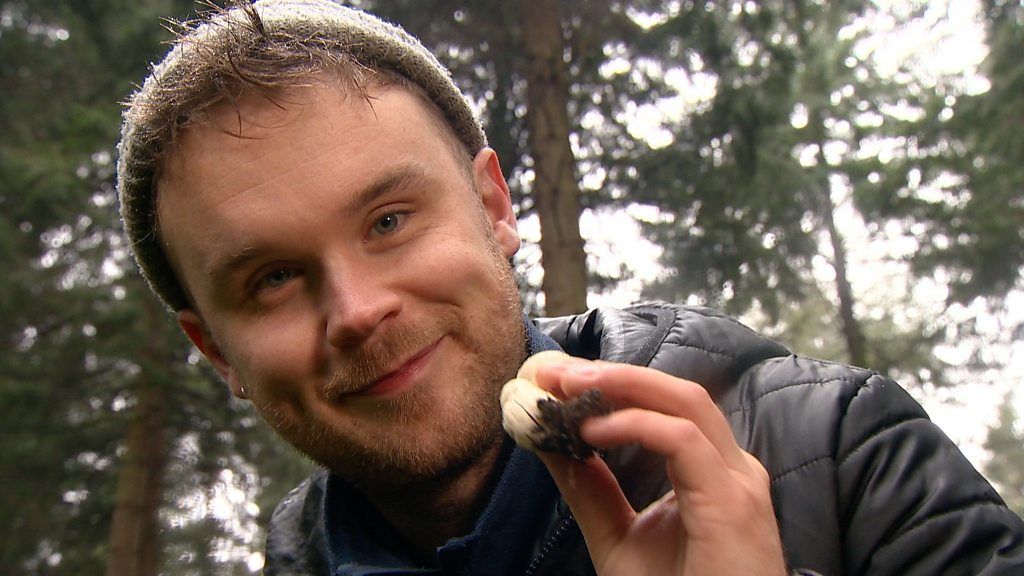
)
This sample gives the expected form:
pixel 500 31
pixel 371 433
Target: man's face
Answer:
pixel 349 276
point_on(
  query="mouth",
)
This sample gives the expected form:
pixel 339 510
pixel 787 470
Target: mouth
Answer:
pixel 399 379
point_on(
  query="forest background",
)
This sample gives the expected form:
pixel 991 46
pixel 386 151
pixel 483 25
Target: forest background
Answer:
pixel 845 176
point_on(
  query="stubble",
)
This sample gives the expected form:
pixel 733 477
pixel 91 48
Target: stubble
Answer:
pixel 494 339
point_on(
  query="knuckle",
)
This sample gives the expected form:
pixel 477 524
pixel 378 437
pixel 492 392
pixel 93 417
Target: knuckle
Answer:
pixel 760 472
pixel 686 430
pixel 694 394
pixel 751 497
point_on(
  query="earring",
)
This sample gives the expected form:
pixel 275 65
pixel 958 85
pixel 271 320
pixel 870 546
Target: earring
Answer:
pixel 243 391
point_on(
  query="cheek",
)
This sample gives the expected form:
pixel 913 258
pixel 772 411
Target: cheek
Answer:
pixel 456 270
pixel 274 353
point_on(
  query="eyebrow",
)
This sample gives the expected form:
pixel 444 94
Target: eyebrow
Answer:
pixel 402 176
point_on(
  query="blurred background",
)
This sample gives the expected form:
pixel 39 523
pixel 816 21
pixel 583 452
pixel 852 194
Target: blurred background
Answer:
pixel 845 176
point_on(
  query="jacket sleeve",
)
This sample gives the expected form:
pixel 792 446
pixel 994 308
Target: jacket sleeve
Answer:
pixel 909 501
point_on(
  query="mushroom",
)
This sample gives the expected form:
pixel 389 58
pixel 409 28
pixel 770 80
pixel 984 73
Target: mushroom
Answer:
pixel 539 421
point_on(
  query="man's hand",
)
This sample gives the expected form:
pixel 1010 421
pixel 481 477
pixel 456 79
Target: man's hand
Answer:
pixel 717 520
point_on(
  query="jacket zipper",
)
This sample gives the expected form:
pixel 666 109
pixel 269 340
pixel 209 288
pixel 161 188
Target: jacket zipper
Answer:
pixel 556 537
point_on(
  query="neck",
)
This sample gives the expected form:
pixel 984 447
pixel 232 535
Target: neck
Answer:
pixel 427 516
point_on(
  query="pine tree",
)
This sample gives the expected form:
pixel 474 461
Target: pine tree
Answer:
pixel 962 180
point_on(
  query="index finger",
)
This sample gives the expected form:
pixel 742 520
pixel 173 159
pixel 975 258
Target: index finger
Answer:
pixel 629 386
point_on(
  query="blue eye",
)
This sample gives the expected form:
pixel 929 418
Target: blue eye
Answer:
pixel 275 278
pixel 389 223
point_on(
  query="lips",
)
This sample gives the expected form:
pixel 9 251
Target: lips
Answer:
pixel 395 381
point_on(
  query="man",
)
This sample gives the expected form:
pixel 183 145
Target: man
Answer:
pixel 308 191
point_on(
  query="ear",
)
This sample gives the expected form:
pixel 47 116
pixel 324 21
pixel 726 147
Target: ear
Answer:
pixel 194 327
pixel 497 201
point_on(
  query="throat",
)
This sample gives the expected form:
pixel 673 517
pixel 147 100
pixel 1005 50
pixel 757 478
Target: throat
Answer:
pixel 425 516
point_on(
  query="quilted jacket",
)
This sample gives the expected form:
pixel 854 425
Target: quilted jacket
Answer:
pixel 862 482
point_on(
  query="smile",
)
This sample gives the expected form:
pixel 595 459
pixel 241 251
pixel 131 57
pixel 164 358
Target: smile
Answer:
pixel 398 380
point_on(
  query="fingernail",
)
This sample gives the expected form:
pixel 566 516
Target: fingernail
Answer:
pixel 584 370
pixel 554 369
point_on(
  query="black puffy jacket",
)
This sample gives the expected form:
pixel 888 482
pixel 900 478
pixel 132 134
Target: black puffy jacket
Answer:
pixel 862 482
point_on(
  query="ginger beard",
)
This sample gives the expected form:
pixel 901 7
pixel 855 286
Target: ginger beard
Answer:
pixel 494 337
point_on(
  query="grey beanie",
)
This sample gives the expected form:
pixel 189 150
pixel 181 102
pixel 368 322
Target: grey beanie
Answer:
pixel 366 39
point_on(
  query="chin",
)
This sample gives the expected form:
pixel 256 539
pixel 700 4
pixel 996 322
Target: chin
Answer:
pixel 415 462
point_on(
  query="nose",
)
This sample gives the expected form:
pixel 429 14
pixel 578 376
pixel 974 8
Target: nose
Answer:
pixel 358 304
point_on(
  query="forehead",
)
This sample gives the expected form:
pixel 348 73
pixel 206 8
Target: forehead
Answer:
pixel 307 107
pixel 255 112
pixel 261 140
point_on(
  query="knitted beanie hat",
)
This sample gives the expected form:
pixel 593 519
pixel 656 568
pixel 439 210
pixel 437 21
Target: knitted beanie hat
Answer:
pixel 365 39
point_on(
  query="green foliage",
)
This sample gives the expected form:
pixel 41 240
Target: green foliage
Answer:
pixel 962 180
pixel 746 209
pixel 754 177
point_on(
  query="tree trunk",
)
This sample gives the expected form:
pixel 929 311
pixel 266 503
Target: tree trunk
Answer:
pixel 852 332
pixel 853 335
pixel 556 192
pixel 135 529
pixel 134 533
pixel 818 84
pixel 134 549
